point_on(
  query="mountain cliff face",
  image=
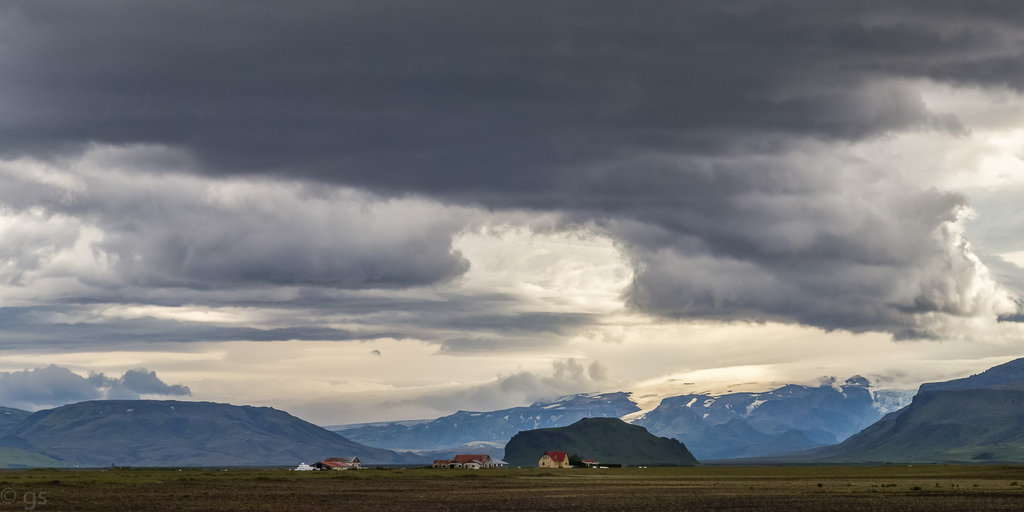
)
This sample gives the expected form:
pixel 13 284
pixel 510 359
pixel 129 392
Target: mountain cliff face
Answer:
pixel 751 424
pixel 607 440
pixel 176 433
pixel 946 425
pixel 1006 373
pixel 494 426
pixel 974 419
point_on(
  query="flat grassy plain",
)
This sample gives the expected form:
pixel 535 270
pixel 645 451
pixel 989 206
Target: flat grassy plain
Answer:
pixel 824 488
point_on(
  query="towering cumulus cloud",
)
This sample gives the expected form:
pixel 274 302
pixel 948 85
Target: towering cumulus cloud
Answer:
pixel 739 154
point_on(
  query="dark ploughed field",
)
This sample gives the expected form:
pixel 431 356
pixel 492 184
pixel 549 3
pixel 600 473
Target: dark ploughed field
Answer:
pixel 925 488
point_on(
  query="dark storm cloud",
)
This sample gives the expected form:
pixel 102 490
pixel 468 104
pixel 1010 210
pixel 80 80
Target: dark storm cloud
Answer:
pixel 705 137
pixel 476 98
pixel 447 323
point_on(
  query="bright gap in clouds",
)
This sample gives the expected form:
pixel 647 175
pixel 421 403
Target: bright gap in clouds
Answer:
pixel 1017 258
pixel 576 271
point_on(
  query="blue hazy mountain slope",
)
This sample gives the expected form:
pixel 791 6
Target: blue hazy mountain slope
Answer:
pixel 10 418
pixel 786 419
pixel 493 426
pixel 177 433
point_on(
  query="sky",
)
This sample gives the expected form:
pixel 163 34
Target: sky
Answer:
pixel 368 211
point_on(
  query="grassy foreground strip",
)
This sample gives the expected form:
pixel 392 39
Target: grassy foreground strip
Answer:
pixel 930 488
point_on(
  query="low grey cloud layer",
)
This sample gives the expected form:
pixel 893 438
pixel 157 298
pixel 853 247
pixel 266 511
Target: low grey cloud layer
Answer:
pixel 53 386
pixel 246 154
pixel 162 229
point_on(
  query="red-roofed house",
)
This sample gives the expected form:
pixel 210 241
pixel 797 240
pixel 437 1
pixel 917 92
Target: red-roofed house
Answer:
pixel 473 461
pixel 338 463
pixel 554 460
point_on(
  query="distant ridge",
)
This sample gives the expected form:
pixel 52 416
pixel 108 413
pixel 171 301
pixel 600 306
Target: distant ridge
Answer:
pixel 1006 373
pixel 492 426
pixel 179 433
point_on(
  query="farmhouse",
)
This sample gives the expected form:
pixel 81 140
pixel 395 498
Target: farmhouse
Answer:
pixel 473 461
pixel 553 460
pixel 338 463
pixel 589 463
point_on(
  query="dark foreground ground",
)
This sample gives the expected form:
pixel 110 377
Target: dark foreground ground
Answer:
pixel 925 488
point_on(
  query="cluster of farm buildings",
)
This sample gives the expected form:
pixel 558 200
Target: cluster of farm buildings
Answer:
pixel 332 463
pixel 472 461
pixel 548 460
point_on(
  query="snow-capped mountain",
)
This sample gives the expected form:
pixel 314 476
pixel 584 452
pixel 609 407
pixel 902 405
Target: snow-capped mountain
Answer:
pixel 494 426
pixel 730 425
pixel 889 400
pixel 789 418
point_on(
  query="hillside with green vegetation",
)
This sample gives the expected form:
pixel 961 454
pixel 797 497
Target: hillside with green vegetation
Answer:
pixel 102 433
pixel 948 426
pixel 607 440
pixel 14 458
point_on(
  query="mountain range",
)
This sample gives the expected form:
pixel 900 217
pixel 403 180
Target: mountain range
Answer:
pixel 713 426
pixel 176 433
pixel 975 419
pixel 786 419
pixel 454 430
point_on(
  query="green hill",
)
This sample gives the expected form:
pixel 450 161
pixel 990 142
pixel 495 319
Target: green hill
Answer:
pixel 953 425
pixel 608 440
pixel 13 458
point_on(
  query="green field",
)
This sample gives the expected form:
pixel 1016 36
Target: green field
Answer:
pixel 926 488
